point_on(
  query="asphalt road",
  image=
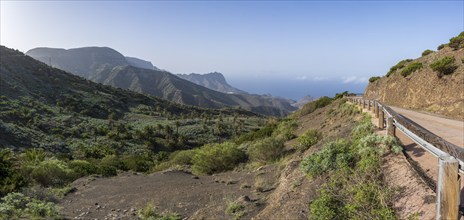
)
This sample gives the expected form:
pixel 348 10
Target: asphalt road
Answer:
pixel 448 129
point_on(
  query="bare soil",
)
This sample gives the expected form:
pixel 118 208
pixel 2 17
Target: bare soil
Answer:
pixel 276 191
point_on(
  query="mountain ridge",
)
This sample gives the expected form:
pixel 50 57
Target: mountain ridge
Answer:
pixel 107 66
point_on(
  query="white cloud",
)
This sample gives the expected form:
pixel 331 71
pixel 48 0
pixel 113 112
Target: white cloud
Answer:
pixel 301 78
pixel 320 78
pixel 354 79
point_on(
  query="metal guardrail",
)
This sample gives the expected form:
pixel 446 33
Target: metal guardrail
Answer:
pixel 424 138
pixel 450 156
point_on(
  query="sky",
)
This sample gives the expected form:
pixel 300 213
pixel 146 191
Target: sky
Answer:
pixel 283 48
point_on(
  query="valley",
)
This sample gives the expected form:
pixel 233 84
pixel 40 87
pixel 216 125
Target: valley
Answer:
pixel 243 110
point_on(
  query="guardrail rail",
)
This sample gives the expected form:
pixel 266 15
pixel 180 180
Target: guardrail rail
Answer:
pixel 450 157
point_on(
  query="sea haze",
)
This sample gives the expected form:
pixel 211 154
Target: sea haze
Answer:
pixel 296 89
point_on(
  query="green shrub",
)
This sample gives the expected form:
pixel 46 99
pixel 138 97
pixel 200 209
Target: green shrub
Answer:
pixel 398 66
pixel 374 78
pixel 10 177
pixel 33 156
pixel 83 167
pixel 308 139
pixel 19 206
pixel 266 150
pixel 357 192
pixel 265 131
pixel 457 42
pixel 235 209
pixel 410 68
pixel 285 130
pixel 334 155
pixel 138 163
pixel 362 130
pixel 109 166
pixel 51 172
pixel 184 157
pixel 213 158
pixel 441 46
pixel 427 52
pixel 444 66
pixel 150 213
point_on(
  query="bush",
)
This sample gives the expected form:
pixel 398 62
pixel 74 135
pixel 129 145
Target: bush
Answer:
pixel 357 192
pixel 427 52
pixel 308 139
pixel 398 66
pixel 266 150
pixel 441 46
pixel 213 158
pixel 457 42
pixel 444 66
pixel 83 167
pixel 265 131
pixel 333 156
pixel 285 130
pixel 109 165
pixel 374 78
pixel 184 157
pixel 412 67
pixel 51 172
pixel 19 206
pixel 150 213
pixel 10 178
pixel 138 163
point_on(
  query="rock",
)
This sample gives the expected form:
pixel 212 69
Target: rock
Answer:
pixel 244 198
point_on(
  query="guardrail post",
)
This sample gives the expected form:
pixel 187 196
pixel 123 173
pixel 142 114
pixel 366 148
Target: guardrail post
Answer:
pixel 448 187
pixel 390 127
pixel 381 119
pixel 376 109
pixel 373 106
pixel 364 104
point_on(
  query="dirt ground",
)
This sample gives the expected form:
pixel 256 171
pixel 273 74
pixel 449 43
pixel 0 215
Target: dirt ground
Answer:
pixel 276 191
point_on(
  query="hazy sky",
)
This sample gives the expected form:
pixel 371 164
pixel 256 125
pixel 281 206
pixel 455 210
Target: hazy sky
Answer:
pixel 260 46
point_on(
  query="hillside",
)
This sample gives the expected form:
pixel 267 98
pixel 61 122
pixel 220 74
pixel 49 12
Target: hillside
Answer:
pixel 109 67
pixel 47 107
pixel 215 81
pixel 414 84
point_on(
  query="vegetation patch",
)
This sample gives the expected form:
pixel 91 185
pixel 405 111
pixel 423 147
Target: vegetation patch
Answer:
pixel 374 78
pixel 308 139
pixel 213 158
pixel 150 213
pixel 444 66
pixel 266 150
pixel 427 52
pixel 441 46
pixel 410 68
pixel 18 206
pixel 398 66
pixel 457 42
pixel 355 187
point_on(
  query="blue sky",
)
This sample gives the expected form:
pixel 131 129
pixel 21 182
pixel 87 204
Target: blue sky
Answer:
pixel 279 47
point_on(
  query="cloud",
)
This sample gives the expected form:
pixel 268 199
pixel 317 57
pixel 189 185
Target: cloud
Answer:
pixel 320 78
pixel 301 78
pixel 315 78
pixel 354 80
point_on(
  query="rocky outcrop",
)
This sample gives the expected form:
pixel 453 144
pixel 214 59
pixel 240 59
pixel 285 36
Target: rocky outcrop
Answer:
pixel 424 89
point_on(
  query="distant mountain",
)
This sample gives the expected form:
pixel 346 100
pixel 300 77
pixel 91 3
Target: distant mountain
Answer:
pixel 38 102
pixel 300 103
pixel 215 81
pixel 136 62
pixel 107 66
